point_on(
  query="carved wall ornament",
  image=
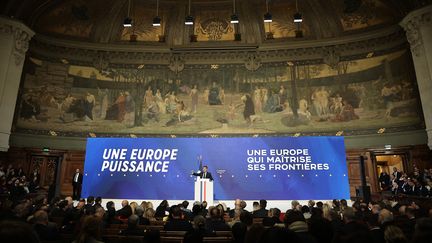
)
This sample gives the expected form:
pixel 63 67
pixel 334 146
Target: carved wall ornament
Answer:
pixel 332 58
pixel 101 61
pixel 21 39
pixel 214 28
pixel 176 63
pixel 253 61
pixel 412 26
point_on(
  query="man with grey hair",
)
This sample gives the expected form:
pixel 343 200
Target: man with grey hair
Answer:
pixel 132 228
pixel 385 216
pixel 139 211
pixel 45 230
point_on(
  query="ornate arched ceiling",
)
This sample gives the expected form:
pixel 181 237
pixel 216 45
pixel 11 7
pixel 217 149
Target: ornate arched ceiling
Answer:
pixel 101 20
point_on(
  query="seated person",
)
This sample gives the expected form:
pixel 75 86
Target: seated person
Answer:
pixel 132 228
pixel 176 221
pixel 216 222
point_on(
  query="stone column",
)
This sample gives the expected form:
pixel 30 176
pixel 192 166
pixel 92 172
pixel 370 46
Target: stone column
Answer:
pixel 418 27
pixel 14 42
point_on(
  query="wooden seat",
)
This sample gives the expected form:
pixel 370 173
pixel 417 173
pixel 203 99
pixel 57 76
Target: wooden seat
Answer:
pixel 131 239
pixel 172 233
pixel 223 233
pixel 171 239
pixel 257 220
pixel 157 222
pixel 111 238
pixel 58 221
pixel 217 239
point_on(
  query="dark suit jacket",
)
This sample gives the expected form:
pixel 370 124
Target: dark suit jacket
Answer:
pixel 178 225
pixel 80 178
pixel 201 174
pixel 260 213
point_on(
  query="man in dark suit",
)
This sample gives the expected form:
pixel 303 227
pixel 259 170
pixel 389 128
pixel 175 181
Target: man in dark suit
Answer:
pixel 204 174
pixel 176 221
pixel 262 212
pixel 397 175
pixel 384 180
pixel 76 184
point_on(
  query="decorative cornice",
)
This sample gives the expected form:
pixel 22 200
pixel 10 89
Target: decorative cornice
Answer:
pixel 84 53
pixel 412 24
pixel 21 34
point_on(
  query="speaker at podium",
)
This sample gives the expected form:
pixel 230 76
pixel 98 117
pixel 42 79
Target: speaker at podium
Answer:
pixel 204 190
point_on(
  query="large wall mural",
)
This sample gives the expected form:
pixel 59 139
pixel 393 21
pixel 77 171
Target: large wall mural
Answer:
pixel 353 96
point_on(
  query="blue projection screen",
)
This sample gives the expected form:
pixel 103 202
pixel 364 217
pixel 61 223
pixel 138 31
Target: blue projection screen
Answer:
pixel 274 168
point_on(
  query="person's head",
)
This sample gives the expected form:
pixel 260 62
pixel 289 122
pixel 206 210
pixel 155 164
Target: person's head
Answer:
pixel 393 234
pixel 176 212
pixel 410 212
pixel 199 222
pixel 149 213
pixel 41 217
pixel 90 200
pixel 394 169
pixel 372 220
pixel 204 204
pixel 274 212
pixel 319 204
pixel 124 203
pixel 205 168
pixel 255 206
pixel 243 204
pixel 91 228
pixel 100 212
pixel 17 231
pixel 385 216
pixel 98 200
pixel 215 213
pixel 133 221
pixel 185 204
pixel 139 211
pixel 77 170
pixel 292 216
pixel 423 230
pixel 237 203
pixel 294 204
pixel 311 203
pixel 246 218
pixel 348 215
pixel 263 203
pixel 110 204
pixel 164 204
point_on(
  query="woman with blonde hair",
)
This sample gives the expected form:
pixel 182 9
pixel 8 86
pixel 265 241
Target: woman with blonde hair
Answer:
pixel 393 234
pixel 150 214
pixel 133 205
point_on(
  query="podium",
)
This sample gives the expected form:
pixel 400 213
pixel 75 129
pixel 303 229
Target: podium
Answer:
pixel 204 190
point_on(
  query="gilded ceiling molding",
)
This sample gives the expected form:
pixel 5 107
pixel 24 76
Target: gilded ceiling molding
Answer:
pixel 84 53
pixel 21 35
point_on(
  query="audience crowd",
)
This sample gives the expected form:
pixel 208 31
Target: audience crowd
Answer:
pixel 34 218
pixel 418 184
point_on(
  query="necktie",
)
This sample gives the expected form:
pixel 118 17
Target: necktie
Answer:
pixel 205 175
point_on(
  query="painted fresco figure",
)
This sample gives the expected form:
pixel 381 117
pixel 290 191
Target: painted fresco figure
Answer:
pixel 257 100
pixel 160 102
pixel 89 104
pixel 117 110
pixel 273 104
pixel 194 97
pixel 129 117
pixel 30 109
pixel 249 108
pixel 283 94
pixel 153 111
pixel 213 97
pixel 103 102
pixel 148 97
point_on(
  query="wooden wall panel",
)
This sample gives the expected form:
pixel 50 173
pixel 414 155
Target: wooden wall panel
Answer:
pixel 72 160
